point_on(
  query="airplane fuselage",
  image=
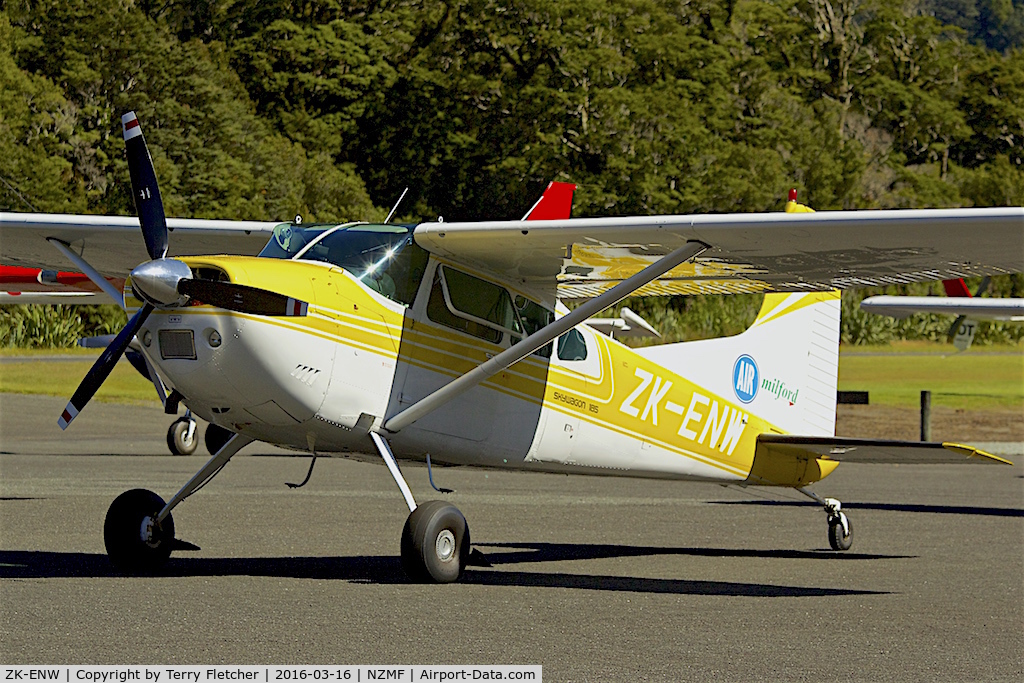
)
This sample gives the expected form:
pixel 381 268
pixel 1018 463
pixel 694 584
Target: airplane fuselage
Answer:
pixel 320 382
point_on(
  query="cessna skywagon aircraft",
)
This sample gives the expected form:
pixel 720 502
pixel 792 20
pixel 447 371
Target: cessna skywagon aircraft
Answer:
pixel 448 343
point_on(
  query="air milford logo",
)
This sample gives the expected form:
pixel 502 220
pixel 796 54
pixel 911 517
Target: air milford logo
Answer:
pixel 778 389
pixel 745 378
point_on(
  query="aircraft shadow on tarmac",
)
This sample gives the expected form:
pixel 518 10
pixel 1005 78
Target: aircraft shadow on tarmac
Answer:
pixel 388 569
pixel 889 507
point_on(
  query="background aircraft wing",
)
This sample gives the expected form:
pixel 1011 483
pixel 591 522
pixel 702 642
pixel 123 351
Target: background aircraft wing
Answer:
pixel 976 308
pixel 843 449
pixel 66 298
pixel 113 245
pixel 753 252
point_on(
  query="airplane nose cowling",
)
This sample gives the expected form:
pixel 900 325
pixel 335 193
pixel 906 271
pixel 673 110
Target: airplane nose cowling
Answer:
pixel 156 282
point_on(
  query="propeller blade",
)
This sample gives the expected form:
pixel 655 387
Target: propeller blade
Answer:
pixel 242 298
pixel 102 367
pixel 145 191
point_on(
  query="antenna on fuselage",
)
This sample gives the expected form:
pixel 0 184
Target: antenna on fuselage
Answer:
pixel 395 207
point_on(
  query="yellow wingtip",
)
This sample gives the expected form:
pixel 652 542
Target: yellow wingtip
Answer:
pixel 972 452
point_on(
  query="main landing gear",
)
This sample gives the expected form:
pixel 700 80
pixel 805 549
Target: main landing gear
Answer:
pixel 840 532
pixel 139 529
pixel 435 539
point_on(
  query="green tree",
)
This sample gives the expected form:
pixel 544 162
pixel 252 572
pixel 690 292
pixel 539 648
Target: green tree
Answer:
pixel 36 139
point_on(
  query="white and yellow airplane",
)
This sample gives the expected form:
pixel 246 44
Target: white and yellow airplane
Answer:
pixel 448 343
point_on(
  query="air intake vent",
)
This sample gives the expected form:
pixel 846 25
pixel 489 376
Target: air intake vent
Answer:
pixel 177 344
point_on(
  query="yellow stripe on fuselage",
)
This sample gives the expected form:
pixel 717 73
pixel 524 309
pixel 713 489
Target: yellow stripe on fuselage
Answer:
pixel 668 412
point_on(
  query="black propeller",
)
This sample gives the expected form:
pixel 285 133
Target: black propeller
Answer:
pixel 144 188
pixel 164 282
pixel 102 367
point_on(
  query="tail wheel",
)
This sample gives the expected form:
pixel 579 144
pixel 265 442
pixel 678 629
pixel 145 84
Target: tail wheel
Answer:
pixel 435 543
pixel 178 439
pixel 840 538
pixel 136 543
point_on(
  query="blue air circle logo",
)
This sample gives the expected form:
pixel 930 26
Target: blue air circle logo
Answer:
pixel 745 378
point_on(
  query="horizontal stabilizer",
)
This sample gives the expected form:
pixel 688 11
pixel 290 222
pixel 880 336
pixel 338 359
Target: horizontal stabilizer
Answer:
pixel 845 449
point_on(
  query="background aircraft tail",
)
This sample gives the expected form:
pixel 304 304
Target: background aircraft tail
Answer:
pixel 784 368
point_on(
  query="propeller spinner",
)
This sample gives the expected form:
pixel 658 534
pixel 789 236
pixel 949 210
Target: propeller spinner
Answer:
pixel 163 282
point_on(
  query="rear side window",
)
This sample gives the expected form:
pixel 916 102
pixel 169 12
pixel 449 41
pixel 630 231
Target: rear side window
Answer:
pixel 572 346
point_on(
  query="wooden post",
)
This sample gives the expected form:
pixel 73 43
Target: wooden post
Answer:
pixel 926 415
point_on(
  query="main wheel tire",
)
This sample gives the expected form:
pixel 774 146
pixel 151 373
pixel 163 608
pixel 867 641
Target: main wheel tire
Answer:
pixel 435 543
pixel 128 550
pixel 836 538
pixel 216 437
pixel 178 440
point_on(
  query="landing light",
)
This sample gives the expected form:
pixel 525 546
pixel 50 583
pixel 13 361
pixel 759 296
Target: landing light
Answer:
pixel 214 339
pixel 147 338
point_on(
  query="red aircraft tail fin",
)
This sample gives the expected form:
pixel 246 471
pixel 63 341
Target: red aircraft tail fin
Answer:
pixel 555 203
pixel 956 288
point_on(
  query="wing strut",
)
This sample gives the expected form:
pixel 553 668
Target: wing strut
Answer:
pixel 89 271
pixel 517 352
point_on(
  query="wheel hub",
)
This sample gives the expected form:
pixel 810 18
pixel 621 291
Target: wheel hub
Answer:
pixel 146 532
pixel 444 546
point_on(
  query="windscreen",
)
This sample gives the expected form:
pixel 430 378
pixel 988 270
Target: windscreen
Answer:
pixel 383 257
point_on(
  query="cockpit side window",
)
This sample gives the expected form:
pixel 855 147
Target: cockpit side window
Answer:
pixel 439 311
pixel 472 305
pixel 484 309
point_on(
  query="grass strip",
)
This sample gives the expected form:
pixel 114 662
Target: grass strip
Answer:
pixel 982 379
pixel 62 377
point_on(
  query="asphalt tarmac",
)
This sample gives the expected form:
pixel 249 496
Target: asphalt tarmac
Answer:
pixel 595 579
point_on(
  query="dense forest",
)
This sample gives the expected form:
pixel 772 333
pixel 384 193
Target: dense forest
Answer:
pixel 328 109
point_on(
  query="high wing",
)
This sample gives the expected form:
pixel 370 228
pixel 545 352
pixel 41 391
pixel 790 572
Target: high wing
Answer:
pixel 113 245
pixel 977 308
pixel 753 252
